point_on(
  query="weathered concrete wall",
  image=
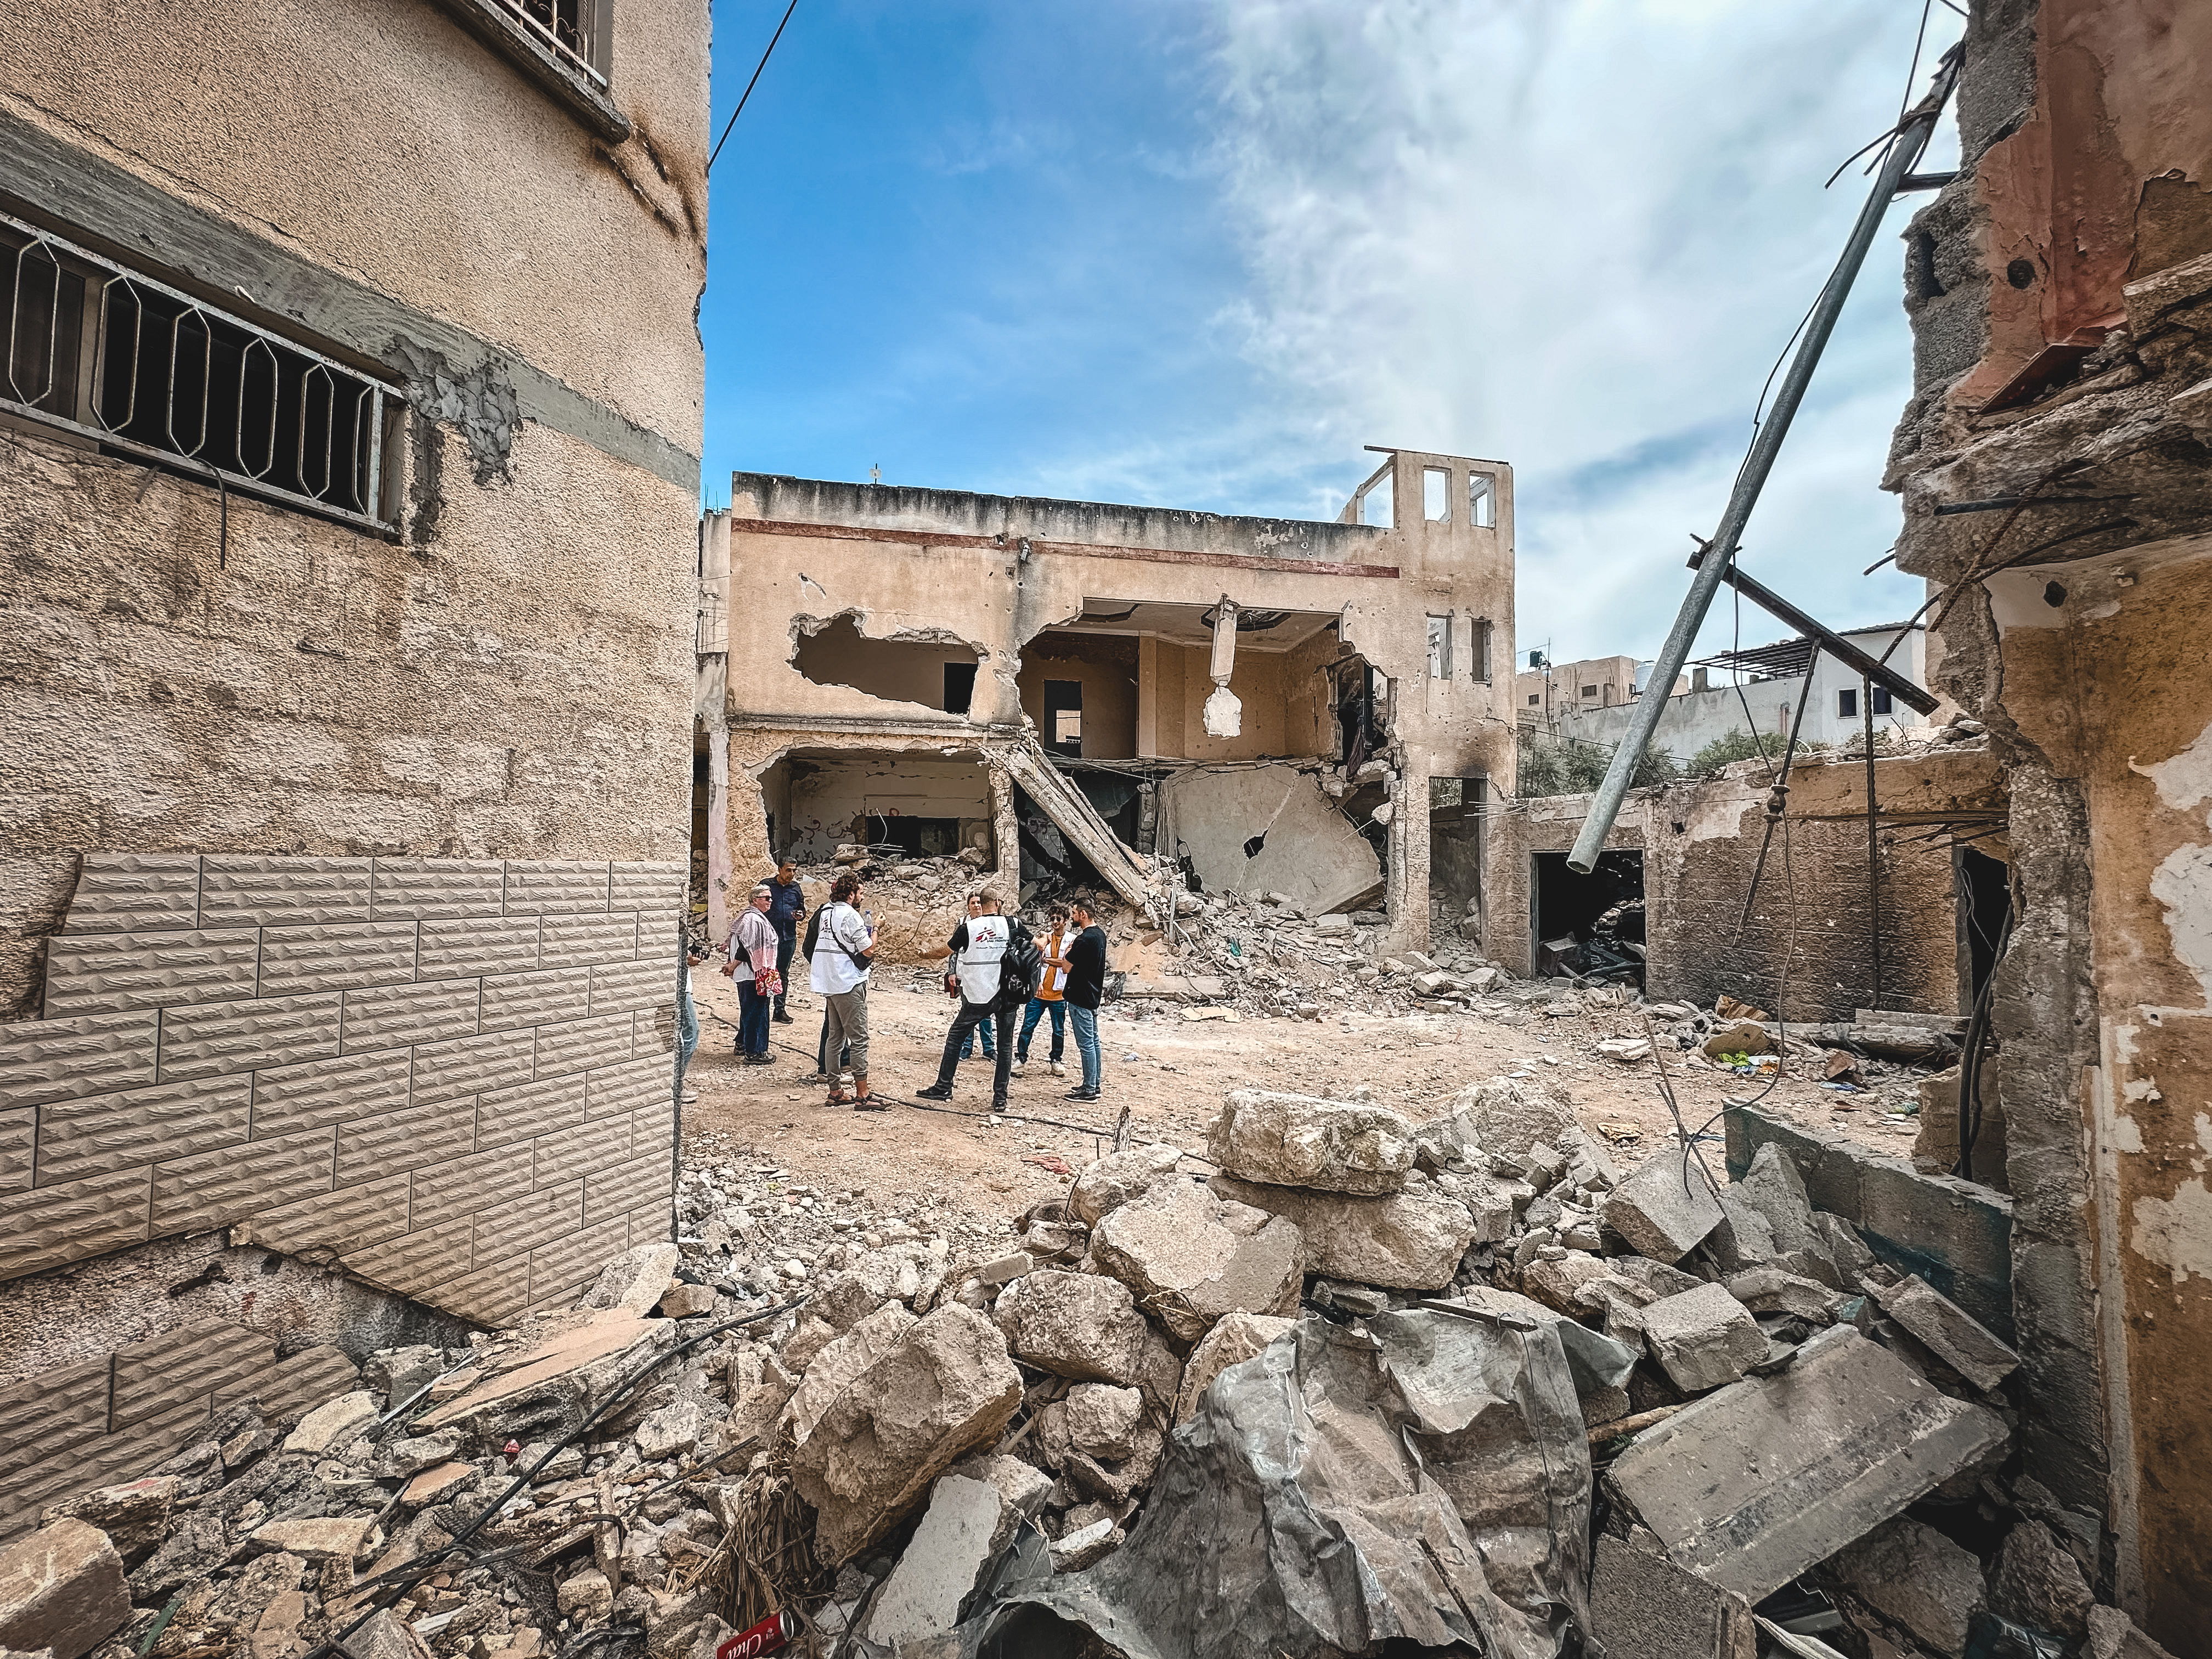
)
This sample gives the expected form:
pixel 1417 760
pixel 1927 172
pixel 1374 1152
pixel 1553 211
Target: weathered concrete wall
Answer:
pixel 829 795
pixel 2061 293
pixel 1106 667
pixel 995 572
pixel 1701 842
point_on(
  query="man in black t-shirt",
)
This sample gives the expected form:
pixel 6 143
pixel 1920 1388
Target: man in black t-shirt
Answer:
pixel 1085 967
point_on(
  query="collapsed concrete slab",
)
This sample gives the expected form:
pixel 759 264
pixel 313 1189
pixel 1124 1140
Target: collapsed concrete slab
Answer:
pixel 1645 1607
pixel 1409 1241
pixel 1190 1257
pixel 1299 1140
pixel 61 1591
pixel 1750 1486
pixel 1914 1576
pixel 939 1566
pixel 1665 1207
pixel 1947 1331
pixel 1308 850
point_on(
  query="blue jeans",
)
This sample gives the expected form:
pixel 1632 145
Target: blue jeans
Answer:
pixel 687 1032
pixel 752 1020
pixel 1037 1009
pixel 1085 1021
pixel 990 1048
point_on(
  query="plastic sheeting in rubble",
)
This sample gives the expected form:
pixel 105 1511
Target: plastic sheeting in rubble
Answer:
pixel 1423 1477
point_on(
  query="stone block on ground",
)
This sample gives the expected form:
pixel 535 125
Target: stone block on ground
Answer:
pixel 939 1566
pixel 944 1387
pixel 1086 1327
pixel 635 1280
pixel 1917 1578
pixel 333 1422
pixel 682 1300
pixel 1665 1206
pixel 1190 1257
pixel 1234 1339
pixel 1299 1140
pixel 1702 1339
pixel 1114 1180
pixel 2039 1584
pixel 833 1367
pixel 1505 1116
pixel 135 1516
pixel 1407 1241
pixel 317 1537
pixel 1645 1607
pixel 1750 1486
pixel 1104 1421
pixel 1947 1331
pixel 62 1590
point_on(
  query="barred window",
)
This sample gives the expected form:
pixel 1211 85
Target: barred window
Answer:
pixel 114 355
pixel 570 27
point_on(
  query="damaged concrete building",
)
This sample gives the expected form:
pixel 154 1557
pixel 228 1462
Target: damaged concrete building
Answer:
pixel 1069 691
pixel 2053 466
pixel 344 703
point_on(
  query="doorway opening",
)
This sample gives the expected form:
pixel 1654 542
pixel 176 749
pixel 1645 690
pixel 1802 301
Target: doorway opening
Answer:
pixel 1984 902
pixel 1589 927
pixel 1456 806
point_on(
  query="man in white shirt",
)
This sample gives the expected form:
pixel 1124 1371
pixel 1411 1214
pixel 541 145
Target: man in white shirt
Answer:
pixel 844 952
pixel 976 948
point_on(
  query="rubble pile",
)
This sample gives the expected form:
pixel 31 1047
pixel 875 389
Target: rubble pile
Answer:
pixel 1464 1383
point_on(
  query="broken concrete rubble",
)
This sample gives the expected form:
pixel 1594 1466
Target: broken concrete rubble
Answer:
pixel 1915 1576
pixel 1947 1331
pixel 1645 1607
pixel 61 1591
pixel 941 1565
pixel 1190 1257
pixel 1296 1141
pixel 1411 1240
pixel 1665 1209
pixel 1704 1339
pixel 1233 1339
pixel 1117 1178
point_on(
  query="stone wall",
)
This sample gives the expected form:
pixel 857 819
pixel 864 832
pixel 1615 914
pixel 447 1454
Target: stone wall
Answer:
pixel 450 1079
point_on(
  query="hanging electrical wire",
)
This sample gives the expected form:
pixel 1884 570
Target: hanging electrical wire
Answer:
pixel 750 85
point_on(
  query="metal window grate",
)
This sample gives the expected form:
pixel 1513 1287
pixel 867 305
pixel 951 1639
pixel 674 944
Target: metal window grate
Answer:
pixel 109 353
pixel 564 25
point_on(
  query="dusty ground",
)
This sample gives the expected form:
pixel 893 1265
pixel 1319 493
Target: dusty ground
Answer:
pixel 1416 1062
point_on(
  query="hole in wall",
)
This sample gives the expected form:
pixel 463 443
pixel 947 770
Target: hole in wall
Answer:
pixel 1254 847
pixel 915 667
pixel 2020 273
pixel 2054 595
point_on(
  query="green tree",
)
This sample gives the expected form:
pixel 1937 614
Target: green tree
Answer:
pixel 1559 766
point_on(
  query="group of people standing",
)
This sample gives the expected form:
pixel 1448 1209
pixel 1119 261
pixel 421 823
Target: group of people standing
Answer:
pixel 997 970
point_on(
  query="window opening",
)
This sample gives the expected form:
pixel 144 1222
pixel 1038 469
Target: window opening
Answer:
pixel 1847 702
pixel 1479 646
pixel 1590 691
pixel 1440 647
pixel 1534 697
pixel 1063 718
pixel 143 368
pixel 959 687
pixel 1878 699
pixel 1482 501
pixel 1375 505
pixel 569 26
pixel 1435 494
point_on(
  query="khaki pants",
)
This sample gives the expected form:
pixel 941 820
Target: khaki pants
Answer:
pixel 848 1024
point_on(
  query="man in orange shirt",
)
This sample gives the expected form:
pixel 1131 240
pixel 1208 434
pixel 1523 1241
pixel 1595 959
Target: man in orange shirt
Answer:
pixel 1049 998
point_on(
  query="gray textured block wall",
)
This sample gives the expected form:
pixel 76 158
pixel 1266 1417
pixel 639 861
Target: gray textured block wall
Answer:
pixel 452 1078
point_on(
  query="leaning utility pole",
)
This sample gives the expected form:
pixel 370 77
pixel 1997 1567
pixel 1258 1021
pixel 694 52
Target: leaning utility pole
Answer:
pixel 1911 138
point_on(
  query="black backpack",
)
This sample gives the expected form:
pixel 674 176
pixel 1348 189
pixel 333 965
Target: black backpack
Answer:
pixel 1020 968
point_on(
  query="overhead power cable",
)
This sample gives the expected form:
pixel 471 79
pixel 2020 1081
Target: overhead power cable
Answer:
pixel 750 85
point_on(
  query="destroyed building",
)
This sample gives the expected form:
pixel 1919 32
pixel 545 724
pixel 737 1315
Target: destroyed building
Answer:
pixel 2053 467
pixel 344 704
pixel 1066 691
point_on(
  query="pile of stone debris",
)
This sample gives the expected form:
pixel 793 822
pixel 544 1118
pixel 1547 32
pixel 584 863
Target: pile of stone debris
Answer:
pixel 1463 1384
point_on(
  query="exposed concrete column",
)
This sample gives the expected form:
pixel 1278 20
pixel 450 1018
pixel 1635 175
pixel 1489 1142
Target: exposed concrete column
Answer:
pixel 1406 885
pixel 1223 714
pixel 1148 695
pixel 1005 831
pixel 744 821
pixel 710 707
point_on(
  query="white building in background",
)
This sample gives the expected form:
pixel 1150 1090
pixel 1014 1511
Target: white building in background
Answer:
pixel 1771 679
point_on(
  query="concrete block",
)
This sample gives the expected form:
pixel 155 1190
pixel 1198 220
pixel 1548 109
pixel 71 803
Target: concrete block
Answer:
pixel 179 1367
pixel 2038 1583
pixel 326 957
pixel 1751 1485
pixel 556 887
pixel 571 1154
pixel 135 1515
pixel 217 1039
pixel 19 1144
pixel 1299 1140
pixel 344 1220
pixel 539 998
pixel 125 892
pixel 626 1186
pixel 376 1148
pixel 1190 1257
pixel 473 947
pixel 61 1591
pixel 425 890
pixel 582 1045
pixel 655 884
pixel 528 1110
pixel 468 1066
pixel 1645 1607
pixel 1913 1575
pixel 586 941
pixel 1948 1332
pixel 1664 1207
pixel 332 1424
pixel 73 1220
pixel 1953 1233
pixel 390 1016
pixel 1411 1240
pixel 617 1090
pixel 210 1189
pixel 292 1099
pixel 245 889
pixel 624 988
pixel 97 973
pixel 317 1537
pixel 1702 1339
pixel 445 1192
pixel 1772 1187
pixel 1769 1290
pixel 940 1567
pixel 47 1059
pixel 105 1134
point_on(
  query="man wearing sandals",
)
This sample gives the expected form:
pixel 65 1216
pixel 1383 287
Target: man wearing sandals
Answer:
pixel 844 953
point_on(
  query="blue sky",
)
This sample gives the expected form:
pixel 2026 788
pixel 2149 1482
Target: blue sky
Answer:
pixel 1196 255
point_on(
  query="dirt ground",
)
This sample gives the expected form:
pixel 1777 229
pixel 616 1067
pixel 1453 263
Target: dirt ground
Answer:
pixel 1174 1083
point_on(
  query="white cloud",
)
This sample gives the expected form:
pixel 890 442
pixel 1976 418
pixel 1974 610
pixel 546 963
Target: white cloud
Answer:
pixel 1571 235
